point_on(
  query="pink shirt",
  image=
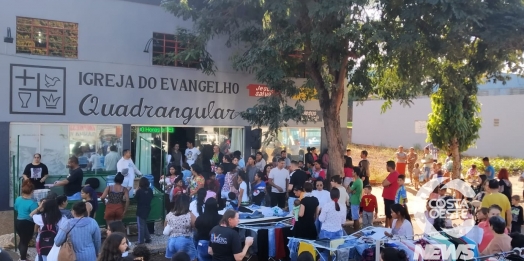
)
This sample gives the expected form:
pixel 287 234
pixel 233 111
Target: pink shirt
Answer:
pixel 210 194
pixel 488 235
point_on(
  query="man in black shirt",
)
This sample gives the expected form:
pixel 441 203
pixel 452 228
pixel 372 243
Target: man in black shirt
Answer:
pixel 297 179
pixel 73 183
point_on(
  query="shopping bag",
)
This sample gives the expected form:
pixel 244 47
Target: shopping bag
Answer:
pixel 53 254
pixel 67 253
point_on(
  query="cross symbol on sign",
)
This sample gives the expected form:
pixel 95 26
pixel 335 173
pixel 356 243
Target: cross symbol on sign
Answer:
pixel 38 90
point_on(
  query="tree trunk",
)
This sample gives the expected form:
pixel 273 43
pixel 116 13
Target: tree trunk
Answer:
pixel 331 113
pixel 456 158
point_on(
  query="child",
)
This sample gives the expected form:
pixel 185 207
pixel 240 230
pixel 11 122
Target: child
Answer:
pixel 186 173
pixel 211 189
pixel 482 215
pixel 517 214
pixel 141 253
pixel 401 197
pixel 213 179
pixel 232 202
pixel 417 176
pixel 179 189
pixel 243 189
pixel 296 210
pixel 118 227
pixel 219 175
pixel 368 204
pixel 143 197
pixel 259 189
pixel 472 172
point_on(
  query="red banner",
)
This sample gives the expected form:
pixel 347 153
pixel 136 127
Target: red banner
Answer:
pixel 259 90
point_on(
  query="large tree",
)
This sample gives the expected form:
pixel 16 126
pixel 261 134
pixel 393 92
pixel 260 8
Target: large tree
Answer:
pixel 329 40
pixel 393 49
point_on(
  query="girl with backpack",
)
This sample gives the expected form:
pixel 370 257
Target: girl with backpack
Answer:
pixel 49 221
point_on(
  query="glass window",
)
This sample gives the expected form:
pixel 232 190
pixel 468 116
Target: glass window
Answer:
pixel 46 37
pixel 57 142
pixel 294 141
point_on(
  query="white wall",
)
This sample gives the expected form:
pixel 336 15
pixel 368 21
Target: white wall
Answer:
pixel 397 125
pixel 112 37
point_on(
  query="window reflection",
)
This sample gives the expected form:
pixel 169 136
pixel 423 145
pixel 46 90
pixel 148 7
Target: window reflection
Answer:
pixel 294 140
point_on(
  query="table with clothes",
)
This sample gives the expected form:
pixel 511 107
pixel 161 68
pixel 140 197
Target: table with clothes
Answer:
pixel 254 213
pixel 428 247
pixel 362 245
pixel 270 229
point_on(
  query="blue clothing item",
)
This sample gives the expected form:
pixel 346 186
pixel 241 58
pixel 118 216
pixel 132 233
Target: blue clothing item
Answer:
pixel 24 207
pixel 181 244
pixel 355 209
pixel 202 248
pixel 401 195
pixel 143 231
pixel 85 236
pixel 75 196
pixel 473 243
pixel 221 178
pixel 330 235
pixel 186 174
pixel 241 163
pixel 427 171
pixel 291 203
pixel 490 171
pixel 318 225
pixel 401 246
pixel 272 243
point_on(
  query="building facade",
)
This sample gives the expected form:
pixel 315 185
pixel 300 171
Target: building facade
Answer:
pixel 79 77
pixel 500 134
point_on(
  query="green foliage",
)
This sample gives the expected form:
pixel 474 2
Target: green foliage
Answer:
pixel 453 117
pixel 512 165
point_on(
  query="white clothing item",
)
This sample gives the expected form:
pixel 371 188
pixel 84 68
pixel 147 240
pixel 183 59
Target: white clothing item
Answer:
pixel 130 178
pixel 62 223
pixel 332 219
pixel 245 196
pixel 95 161
pixel 262 163
pixel 193 208
pixel 192 155
pixel 344 196
pixel 405 230
pixel 323 197
pixel 403 156
pixel 279 177
pixel 111 160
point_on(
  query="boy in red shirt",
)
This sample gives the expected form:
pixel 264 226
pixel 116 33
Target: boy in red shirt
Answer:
pixel 367 206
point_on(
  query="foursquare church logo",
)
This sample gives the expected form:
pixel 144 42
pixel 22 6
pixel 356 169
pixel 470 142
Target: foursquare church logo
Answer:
pixel 37 90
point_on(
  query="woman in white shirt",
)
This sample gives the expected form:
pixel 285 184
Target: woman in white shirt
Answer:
pixel 243 190
pixel 197 206
pixel 401 226
pixel 332 216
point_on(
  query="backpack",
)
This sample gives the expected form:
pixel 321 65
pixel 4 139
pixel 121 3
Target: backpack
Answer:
pixel 47 238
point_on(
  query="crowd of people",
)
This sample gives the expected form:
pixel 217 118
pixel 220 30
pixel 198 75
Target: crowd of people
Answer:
pixel 195 196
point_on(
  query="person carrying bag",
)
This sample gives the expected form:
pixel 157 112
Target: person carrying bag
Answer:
pixel 67 252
